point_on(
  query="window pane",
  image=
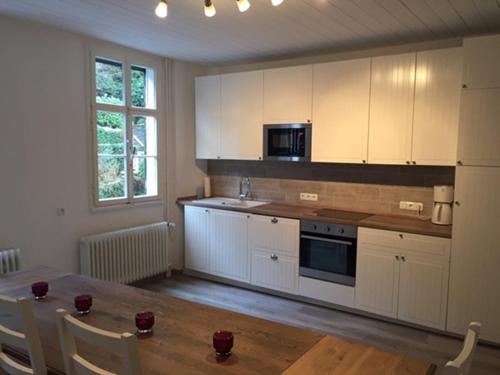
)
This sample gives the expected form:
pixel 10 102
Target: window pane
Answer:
pixel 109 82
pixel 145 176
pixel 144 135
pixel 143 93
pixel 110 133
pixel 112 177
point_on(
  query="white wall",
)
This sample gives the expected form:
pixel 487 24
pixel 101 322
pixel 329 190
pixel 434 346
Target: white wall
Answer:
pixel 45 145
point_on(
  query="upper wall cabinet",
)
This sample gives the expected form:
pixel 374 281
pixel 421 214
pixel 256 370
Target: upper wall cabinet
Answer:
pixel 288 95
pixel 391 109
pixel 479 142
pixel 341 98
pixel 437 107
pixel 242 106
pixel 208 117
pixel 481 62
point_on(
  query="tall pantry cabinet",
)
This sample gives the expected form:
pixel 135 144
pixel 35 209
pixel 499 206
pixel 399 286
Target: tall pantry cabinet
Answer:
pixel 475 259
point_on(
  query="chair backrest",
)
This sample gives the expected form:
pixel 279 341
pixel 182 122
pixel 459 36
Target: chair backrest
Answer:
pixel 28 340
pixel 461 364
pixel 124 344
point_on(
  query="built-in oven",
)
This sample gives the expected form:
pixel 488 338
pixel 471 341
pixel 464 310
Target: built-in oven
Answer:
pixel 328 252
pixel 289 142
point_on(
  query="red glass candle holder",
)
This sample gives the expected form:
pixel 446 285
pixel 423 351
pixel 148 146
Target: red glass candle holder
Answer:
pixel 83 304
pixel 144 321
pixel 40 290
pixel 223 343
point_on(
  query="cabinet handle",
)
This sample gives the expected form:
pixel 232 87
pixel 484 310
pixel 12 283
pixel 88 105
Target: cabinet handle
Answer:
pixel 403 259
pixel 464 86
pixel 397 257
pixel 274 220
pixel 457 203
pixel 460 162
pixel 414 162
pixel 248 216
pixel 274 257
pixel 260 157
pixel 408 162
pixel 207 211
pixel 401 236
pixel 308 120
pixel 364 161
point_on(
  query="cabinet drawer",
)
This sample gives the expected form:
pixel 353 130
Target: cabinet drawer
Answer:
pixel 274 234
pixel 274 271
pixel 406 243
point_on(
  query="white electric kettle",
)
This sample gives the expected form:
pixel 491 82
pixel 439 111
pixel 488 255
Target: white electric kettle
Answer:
pixel 442 212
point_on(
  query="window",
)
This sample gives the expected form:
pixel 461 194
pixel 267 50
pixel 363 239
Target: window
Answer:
pixel 125 122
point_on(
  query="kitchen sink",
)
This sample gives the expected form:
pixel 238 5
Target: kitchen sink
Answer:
pixel 230 202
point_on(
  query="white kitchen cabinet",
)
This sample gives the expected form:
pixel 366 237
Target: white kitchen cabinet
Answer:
pixel 275 271
pixel 208 117
pixel 423 291
pixel 391 109
pixel 341 99
pixel 475 260
pixel 196 255
pixel 274 234
pixel 479 136
pixel 438 86
pixel 228 235
pixel 403 276
pixel 242 110
pixel 377 281
pixel 288 95
pixel 481 57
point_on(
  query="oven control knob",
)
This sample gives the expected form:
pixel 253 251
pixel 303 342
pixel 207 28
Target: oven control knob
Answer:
pixel 341 230
pixel 328 229
pixel 315 227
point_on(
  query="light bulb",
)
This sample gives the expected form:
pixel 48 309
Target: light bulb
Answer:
pixel 276 2
pixel 162 9
pixel 209 8
pixel 243 5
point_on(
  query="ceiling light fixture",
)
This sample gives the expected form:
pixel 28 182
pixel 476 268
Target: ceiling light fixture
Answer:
pixel 243 5
pixel 276 2
pixel 209 8
pixel 162 9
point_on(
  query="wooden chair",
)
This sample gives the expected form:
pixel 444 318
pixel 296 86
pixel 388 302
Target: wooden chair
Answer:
pixel 124 344
pixel 29 340
pixel 461 364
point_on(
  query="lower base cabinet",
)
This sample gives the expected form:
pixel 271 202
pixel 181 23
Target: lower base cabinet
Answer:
pixel 275 271
pixel 403 276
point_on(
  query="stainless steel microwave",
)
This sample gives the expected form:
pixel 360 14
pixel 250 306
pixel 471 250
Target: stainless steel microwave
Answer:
pixel 289 142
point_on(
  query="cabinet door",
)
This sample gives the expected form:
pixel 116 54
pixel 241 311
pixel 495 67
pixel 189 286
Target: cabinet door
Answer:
pixel 274 234
pixel 288 95
pixel 275 271
pixel 228 245
pixel 475 257
pixel 423 291
pixel 438 85
pixel 242 106
pixel 196 256
pixel 208 117
pixel 481 57
pixel 391 109
pixel 377 281
pixel 479 142
pixel 340 134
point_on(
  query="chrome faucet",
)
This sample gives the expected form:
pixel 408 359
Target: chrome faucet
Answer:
pixel 245 182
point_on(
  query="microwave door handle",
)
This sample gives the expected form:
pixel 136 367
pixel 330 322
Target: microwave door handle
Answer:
pixel 326 240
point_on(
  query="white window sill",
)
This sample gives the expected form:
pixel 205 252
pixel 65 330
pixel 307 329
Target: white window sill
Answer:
pixel 124 206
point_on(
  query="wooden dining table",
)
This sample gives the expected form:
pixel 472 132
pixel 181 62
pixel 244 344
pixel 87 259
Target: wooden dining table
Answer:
pixel 182 339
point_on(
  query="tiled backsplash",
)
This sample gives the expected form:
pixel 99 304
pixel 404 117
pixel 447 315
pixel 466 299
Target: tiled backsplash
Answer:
pixel 371 198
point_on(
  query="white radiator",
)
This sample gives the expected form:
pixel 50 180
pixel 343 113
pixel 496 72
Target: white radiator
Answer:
pixel 9 260
pixel 127 255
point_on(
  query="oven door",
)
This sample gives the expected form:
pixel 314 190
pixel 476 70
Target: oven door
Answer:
pixel 328 258
pixel 290 142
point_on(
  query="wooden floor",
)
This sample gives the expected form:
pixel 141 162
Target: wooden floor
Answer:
pixel 386 336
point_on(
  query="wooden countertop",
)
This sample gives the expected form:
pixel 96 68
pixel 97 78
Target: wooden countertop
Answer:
pixel 388 222
pixel 181 342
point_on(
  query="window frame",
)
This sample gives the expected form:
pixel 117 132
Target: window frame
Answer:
pixel 128 59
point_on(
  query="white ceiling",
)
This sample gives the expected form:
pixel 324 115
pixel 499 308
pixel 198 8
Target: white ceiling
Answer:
pixel 297 27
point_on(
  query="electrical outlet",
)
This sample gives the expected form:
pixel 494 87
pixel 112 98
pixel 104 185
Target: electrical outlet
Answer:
pixel 411 206
pixel 308 197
